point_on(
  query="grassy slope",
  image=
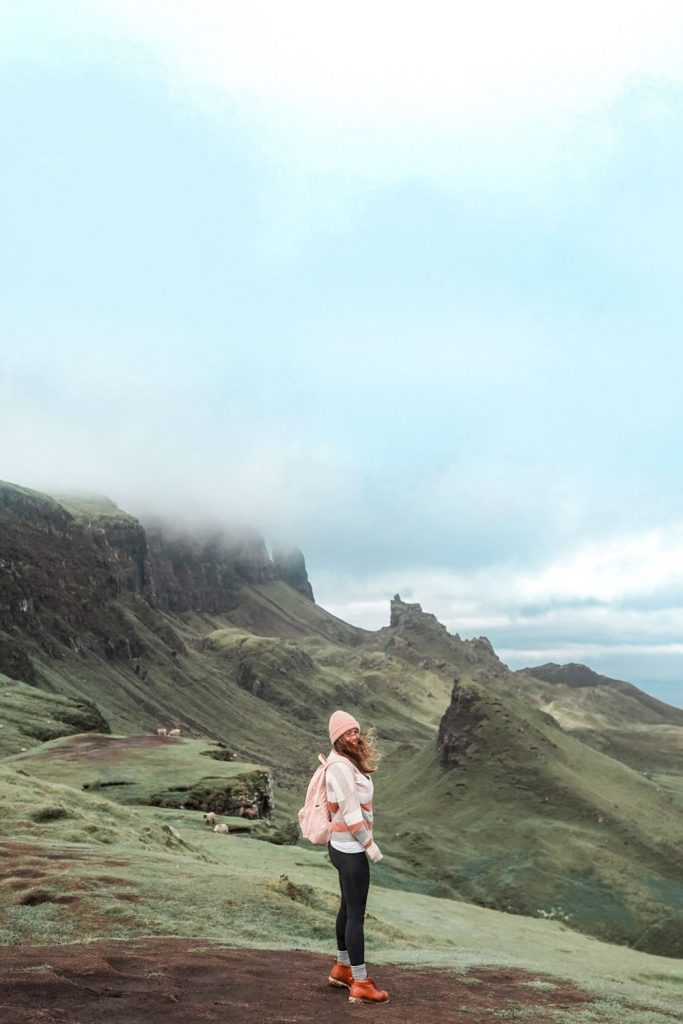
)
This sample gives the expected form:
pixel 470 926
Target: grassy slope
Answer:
pixel 532 819
pixel 166 772
pixel 208 688
pixel 92 508
pixel 581 677
pixel 535 819
pixel 26 492
pixel 29 715
pixel 107 870
pixel 82 507
pixel 613 717
pixel 274 609
pixel 266 693
pixel 263 680
pixel 118 866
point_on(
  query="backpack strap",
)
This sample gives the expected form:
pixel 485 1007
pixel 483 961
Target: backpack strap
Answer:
pixel 322 759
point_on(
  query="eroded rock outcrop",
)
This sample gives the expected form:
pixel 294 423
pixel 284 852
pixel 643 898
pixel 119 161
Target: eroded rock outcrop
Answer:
pixel 459 724
pixel 250 795
pixel 411 616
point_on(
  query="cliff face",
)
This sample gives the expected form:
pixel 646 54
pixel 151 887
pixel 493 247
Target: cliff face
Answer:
pixel 61 572
pixel 205 575
pixel 458 726
pixel 289 566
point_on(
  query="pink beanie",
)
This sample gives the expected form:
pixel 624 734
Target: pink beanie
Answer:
pixel 341 722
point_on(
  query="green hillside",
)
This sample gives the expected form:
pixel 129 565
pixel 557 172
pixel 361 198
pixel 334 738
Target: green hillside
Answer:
pixel 29 715
pixel 512 812
pixel 156 770
pixel 613 717
pixel 576 690
pixel 558 802
pixel 535 822
pixel 79 866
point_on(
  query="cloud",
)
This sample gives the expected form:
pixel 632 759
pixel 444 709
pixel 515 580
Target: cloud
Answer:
pixel 512 112
pixel 470 211
pixel 380 92
pixel 582 652
pixel 144 428
pixel 631 566
pixel 590 605
pixel 429 64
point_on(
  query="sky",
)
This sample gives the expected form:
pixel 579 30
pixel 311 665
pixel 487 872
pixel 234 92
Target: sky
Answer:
pixel 396 283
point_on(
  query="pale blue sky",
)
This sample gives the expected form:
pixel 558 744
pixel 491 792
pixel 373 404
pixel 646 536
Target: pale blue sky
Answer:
pixel 404 289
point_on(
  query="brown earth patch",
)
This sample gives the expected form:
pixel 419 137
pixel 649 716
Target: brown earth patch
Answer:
pixel 564 995
pixel 37 896
pixel 172 981
pixel 96 747
pixel 68 856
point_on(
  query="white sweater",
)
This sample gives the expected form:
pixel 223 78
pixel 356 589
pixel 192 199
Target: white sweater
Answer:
pixel 349 795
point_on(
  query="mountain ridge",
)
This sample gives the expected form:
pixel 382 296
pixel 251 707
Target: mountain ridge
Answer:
pixel 580 676
pixel 63 562
pixel 202 636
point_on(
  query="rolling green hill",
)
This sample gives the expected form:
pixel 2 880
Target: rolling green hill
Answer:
pixel 154 770
pixel 29 715
pixel 615 718
pixel 79 866
pixel 509 810
pixel 578 690
pixel 504 789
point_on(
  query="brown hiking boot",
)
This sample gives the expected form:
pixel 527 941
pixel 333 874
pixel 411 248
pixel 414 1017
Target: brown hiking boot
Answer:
pixel 340 976
pixel 367 992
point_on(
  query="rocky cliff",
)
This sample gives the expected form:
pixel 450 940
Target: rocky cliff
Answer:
pixel 65 567
pixel 289 566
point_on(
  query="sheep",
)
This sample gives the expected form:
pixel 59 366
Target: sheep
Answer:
pixel 161 731
pixel 249 812
pixel 174 732
pixel 209 818
pixel 221 828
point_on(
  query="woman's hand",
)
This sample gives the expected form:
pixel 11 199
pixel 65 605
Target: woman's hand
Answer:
pixel 374 853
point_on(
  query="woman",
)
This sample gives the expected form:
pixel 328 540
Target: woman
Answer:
pixel 349 794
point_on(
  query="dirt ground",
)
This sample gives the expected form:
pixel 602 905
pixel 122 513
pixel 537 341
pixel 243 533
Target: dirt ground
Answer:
pixel 183 981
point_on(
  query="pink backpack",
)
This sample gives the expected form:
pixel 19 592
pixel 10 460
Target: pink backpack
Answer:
pixel 314 816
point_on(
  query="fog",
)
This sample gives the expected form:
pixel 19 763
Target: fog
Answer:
pixel 407 298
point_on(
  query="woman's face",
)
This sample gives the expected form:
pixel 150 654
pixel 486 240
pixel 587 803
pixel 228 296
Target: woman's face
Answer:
pixel 351 736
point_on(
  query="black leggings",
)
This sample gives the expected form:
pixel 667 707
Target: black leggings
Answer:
pixel 354 882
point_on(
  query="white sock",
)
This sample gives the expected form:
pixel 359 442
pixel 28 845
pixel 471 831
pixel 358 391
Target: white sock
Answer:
pixel 343 957
pixel 360 973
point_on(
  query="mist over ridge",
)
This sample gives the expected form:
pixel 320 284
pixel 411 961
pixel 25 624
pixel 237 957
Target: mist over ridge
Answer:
pixel 613 636
pixel 434 342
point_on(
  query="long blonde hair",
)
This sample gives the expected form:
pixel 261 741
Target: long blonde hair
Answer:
pixel 365 755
